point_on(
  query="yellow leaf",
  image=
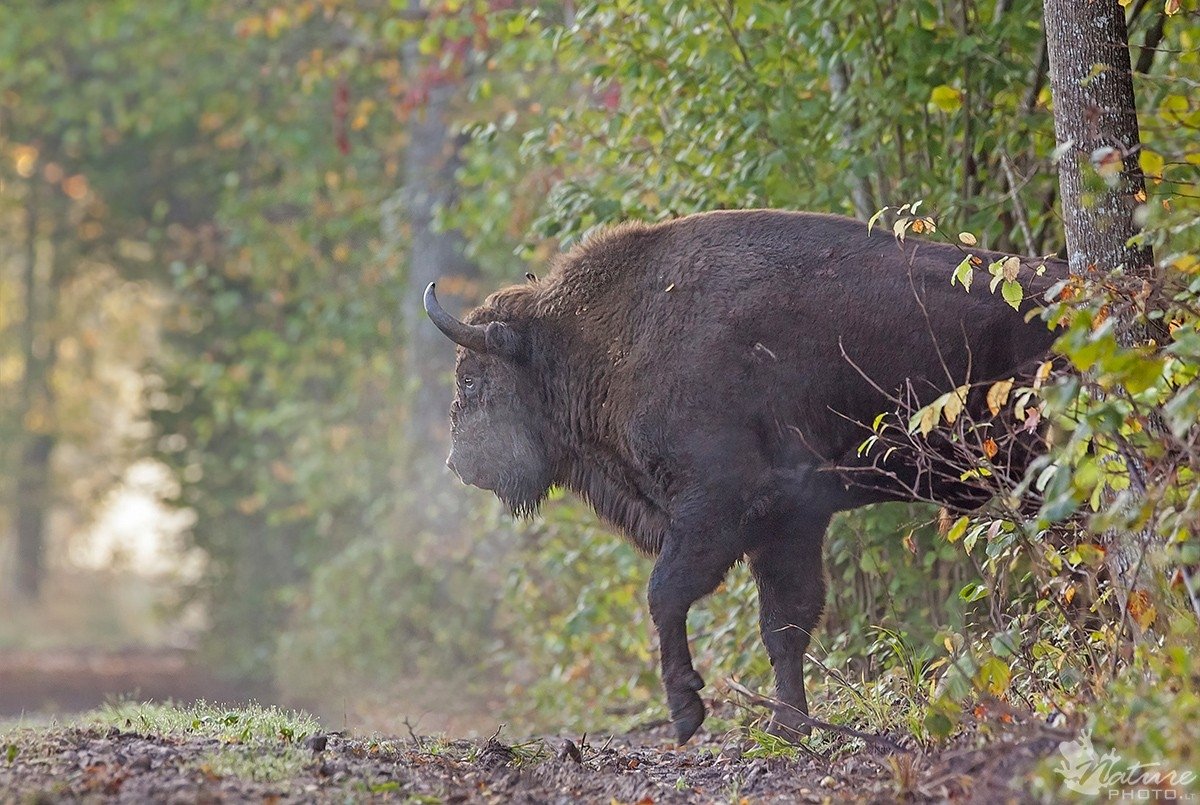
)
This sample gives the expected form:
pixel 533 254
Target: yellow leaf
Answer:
pixel 997 396
pixel 1088 553
pixel 25 157
pixel 946 98
pixel 955 401
pixel 1173 108
pixel 899 228
pixel 929 418
pixel 874 218
pixel 1187 263
pixel 1141 609
pixel 1043 374
pixel 967 238
pixel 1010 268
pixel 1152 163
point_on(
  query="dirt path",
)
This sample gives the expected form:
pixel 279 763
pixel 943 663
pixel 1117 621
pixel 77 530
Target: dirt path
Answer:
pixel 70 681
pixel 113 764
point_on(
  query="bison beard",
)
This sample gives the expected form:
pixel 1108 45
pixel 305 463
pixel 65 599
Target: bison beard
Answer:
pixel 703 383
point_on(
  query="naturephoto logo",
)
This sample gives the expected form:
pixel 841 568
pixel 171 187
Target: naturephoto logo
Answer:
pixel 1084 771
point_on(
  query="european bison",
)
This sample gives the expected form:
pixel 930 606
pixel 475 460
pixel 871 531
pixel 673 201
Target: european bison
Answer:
pixel 701 383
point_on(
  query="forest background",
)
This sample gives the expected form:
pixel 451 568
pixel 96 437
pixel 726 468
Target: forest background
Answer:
pixel 222 412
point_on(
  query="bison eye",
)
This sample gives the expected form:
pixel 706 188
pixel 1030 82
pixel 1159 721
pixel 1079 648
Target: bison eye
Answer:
pixel 469 383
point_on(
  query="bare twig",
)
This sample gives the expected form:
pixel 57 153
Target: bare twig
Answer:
pixel 1018 208
pixel 413 735
pixel 769 701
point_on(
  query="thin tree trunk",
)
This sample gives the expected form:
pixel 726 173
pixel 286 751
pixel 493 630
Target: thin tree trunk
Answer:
pixel 32 488
pixel 431 160
pixel 839 82
pixel 1095 122
pixel 433 256
pixel 1149 46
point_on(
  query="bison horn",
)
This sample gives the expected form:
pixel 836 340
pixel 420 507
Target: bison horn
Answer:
pixel 471 336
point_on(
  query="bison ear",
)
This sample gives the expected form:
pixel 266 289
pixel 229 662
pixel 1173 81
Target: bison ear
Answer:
pixel 505 342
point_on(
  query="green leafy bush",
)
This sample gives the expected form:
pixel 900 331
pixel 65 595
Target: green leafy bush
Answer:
pixel 378 614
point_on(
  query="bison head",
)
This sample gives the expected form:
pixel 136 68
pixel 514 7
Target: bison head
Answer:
pixel 498 439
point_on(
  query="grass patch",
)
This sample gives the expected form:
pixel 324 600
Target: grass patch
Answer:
pixel 262 744
pixel 244 723
pixel 766 745
pixel 248 762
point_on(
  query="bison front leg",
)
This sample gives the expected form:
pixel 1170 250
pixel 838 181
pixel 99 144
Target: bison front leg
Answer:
pixel 791 595
pixel 688 569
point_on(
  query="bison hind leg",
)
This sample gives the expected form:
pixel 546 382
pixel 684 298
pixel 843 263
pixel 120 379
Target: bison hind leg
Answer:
pixel 790 575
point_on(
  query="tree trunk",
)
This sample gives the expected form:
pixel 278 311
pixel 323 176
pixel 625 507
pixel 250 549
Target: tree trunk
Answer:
pixel 1095 123
pixel 33 499
pixel 1094 111
pixel 32 489
pixel 431 160
pixel 839 84
pixel 433 257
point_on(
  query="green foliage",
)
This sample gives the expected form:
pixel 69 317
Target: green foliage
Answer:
pixel 1148 723
pixel 588 658
pixel 687 107
pixel 1117 482
pixel 383 616
pixel 101 174
pixel 766 745
pixel 1017 609
pixel 270 398
pixel 244 723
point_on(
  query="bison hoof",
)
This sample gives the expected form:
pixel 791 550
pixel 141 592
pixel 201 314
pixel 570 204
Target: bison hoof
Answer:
pixel 687 714
pixel 789 725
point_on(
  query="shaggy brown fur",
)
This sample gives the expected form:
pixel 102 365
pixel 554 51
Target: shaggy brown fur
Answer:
pixel 703 384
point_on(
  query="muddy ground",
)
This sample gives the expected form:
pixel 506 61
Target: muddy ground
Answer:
pixel 988 764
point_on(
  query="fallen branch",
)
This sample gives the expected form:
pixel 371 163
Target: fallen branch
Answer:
pixel 870 738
